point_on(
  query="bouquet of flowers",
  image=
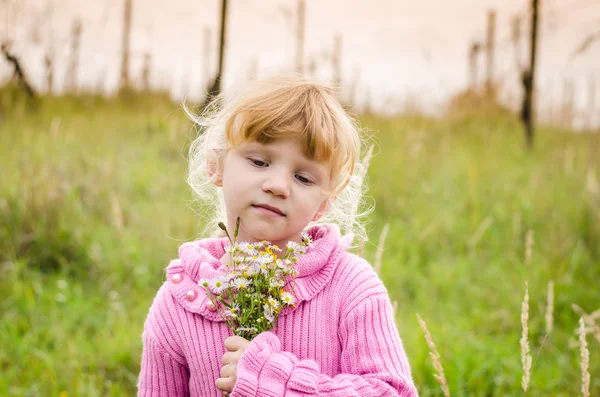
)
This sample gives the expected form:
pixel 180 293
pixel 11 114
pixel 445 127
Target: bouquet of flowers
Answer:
pixel 258 284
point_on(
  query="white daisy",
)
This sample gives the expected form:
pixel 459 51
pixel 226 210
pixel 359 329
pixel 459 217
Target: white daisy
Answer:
pixel 241 282
pixel 259 244
pixel 265 257
pixel 268 312
pixel 233 311
pixel 263 268
pixel 246 329
pixel 218 284
pixel 233 274
pixel 275 283
pixel 230 249
pixel 249 271
pixel 306 239
pixel 203 282
pixel 288 298
pixel 252 260
pixel 274 303
pixel 247 248
pixel 293 247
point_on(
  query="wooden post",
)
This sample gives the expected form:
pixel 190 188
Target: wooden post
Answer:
pixel 216 86
pixel 207 60
pixel 71 77
pixel 591 104
pixel 48 62
pixel 252 68
pixel 528 78
pixel 300 37
pixel 367 104
pixel 6 40
pixel 353 86
pixel 146 72
pixel 516 41
pixel 474 51
pixel 336 61
pixel 49 56
pixel 18 73
pixel 567 108
pixel 125 44
pixel 489 50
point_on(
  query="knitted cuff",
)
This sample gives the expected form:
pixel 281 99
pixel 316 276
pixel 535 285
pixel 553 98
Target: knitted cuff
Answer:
pixel 275 374
pixel 304 379
pixel 252 362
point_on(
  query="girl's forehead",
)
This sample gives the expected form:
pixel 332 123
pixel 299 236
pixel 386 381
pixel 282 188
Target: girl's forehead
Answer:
pixel 291 149
pixel 288 146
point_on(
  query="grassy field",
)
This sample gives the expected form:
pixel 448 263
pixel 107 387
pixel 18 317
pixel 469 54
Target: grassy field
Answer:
pixel 93 205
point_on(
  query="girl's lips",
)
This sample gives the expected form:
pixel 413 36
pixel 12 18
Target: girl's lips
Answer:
pixel 267 210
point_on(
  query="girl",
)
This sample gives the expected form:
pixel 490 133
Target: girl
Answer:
pixel 283 156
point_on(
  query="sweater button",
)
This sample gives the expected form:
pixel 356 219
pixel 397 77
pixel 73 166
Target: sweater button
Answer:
pixel 190 295
pixel 176 278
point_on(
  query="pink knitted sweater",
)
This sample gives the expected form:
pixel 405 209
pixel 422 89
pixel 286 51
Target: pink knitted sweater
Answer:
pixel 339 340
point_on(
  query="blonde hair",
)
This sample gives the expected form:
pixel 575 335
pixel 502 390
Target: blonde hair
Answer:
pixel 270 109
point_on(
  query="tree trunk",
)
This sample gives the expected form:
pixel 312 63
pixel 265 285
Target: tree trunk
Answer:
pixel 528 79
pixel 19 73
pixel 216 86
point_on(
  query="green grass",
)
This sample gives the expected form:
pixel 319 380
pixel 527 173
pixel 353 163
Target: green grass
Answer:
pixel 93 205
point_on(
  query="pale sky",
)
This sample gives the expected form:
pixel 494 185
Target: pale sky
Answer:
pixel 394 49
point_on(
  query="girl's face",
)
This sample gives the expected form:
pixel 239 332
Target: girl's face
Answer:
pixel 275 190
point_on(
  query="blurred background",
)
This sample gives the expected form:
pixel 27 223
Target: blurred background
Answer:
pixel 485 175
pixel 387 55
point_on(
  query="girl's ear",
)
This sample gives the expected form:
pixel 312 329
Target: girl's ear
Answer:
pixel 214 167
pixel 323 208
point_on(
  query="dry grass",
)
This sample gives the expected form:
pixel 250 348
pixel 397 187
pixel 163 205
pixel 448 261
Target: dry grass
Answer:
pixel 380 246
pixel 528 246
pixel 361 249
pixel 525 354
pixel 550 308
pixel 585 360
pixel 435 357
pixel 589 320
pixel 366 161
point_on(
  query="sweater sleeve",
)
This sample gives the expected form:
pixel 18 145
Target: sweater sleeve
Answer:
pixel 160 374
pixel 373 361
pixel 164 371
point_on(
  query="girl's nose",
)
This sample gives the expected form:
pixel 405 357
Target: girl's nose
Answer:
pixel 278 184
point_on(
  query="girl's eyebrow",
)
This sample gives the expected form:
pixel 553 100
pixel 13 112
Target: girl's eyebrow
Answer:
pixel 306 162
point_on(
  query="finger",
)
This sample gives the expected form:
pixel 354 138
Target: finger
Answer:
pixel 235 342
pixel 225 384
pixel 228 358
pixel 227 371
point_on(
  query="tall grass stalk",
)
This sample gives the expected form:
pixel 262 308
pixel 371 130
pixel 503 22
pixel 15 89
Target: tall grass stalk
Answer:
pixel 525 354
pixel 550 308
pixel 585 360
pixel 589 320
pixel 380 246
pixel 528 246
pixel 435 357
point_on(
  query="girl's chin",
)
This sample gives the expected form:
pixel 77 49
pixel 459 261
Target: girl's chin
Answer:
pixel 254 235
pixel 267 236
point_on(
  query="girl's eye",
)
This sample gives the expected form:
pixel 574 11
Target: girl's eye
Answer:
pixel 304 180
pixel 259 163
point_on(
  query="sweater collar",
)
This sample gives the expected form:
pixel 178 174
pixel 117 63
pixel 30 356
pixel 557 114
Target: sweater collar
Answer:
pixel 200 260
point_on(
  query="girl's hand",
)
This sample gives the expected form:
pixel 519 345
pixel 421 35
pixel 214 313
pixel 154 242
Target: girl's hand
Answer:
pixel 235 345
